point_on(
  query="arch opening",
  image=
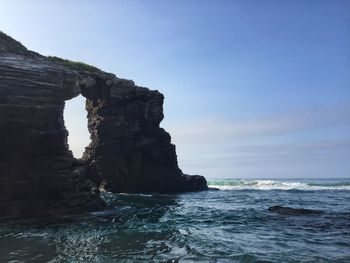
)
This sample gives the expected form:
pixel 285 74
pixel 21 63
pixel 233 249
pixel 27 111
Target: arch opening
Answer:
pixel 76 122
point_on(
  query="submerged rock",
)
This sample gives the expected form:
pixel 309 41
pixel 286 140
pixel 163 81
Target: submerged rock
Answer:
pixel 284 210
pixel 128 152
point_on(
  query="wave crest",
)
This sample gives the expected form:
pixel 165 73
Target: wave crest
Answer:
pixel 241 184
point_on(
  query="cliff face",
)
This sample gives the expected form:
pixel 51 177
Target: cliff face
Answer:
pixel 128 152
pixel 37 171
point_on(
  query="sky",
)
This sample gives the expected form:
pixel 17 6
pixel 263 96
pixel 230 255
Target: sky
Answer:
pixel 253 89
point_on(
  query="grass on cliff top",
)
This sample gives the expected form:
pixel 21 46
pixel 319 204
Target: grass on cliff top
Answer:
pixel 75 65
pixel 8 44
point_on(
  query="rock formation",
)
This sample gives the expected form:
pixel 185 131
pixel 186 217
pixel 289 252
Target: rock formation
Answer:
pixel 128 152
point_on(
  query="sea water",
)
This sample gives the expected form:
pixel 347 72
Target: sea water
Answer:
pixel 231 224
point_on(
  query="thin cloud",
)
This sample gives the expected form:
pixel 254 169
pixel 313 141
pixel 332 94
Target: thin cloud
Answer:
pixel 305 120
pixel 316 139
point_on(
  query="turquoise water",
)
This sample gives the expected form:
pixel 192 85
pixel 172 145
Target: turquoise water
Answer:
pixel 229 225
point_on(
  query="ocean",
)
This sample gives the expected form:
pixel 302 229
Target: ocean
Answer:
pixel 232 224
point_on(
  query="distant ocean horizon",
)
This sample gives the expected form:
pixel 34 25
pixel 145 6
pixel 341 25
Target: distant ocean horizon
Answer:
pixel 232 224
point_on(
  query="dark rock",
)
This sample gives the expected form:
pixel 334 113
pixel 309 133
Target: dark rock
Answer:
pixel 284 210
pixel 37 171
pixel 128 152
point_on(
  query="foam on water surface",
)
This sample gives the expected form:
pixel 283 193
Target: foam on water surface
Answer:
pixel 244 184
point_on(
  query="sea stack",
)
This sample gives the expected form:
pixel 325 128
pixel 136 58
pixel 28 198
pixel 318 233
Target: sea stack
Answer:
pixel 128 151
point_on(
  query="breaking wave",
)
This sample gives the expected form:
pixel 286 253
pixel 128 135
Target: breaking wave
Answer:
pixel 243 184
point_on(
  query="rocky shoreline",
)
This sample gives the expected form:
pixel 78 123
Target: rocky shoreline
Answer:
pixel 128 151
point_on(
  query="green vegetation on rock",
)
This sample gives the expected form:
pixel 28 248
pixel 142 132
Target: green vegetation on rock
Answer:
pixel 80 66
pixel 8 44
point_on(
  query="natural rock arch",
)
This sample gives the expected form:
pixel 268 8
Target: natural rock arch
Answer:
pixel 128 152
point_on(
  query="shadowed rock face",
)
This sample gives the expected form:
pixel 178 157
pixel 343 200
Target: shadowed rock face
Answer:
pixel 128 149
pixel 128 152
pixel 38 174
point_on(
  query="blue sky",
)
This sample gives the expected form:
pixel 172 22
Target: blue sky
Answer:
pixel 253 88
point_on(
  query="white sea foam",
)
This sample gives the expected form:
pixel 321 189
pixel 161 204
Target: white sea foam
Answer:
pixel 143 195
pixel 240 184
